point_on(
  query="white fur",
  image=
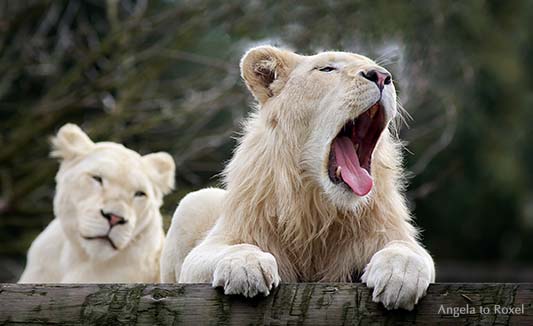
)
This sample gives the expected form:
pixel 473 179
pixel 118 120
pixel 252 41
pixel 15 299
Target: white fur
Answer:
pixel 61 253
pixel 280 217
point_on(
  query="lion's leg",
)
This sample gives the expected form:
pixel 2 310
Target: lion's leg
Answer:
pixel 194 217
pixel 400 274
pixel 240 269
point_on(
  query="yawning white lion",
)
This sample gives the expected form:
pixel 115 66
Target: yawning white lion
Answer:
pixel 108 227
pixel 313 192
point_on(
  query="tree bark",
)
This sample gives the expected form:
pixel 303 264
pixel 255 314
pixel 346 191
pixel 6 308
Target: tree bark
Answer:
pixel 294 304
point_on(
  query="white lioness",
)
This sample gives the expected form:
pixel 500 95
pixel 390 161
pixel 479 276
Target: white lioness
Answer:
pixel 313 192
pixel 108 227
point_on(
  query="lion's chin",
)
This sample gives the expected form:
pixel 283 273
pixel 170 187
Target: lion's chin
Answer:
pixel 100 248
pixel 350 156
pixel 103 238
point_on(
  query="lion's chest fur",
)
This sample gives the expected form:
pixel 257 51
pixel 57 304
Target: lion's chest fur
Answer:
pixel 275 202
pixel 337 253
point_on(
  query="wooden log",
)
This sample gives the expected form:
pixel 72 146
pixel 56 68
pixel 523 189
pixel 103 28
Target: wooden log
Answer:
pixel 293 304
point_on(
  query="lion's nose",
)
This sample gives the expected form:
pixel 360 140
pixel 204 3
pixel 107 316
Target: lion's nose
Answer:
pixel 379 77
pixel 112 218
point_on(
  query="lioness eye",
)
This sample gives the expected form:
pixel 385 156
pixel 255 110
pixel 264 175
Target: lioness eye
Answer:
pixel 140 194
pixel 327 69
pixel 97 178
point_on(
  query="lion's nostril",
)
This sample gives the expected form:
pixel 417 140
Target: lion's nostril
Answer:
pixel 116 220
pixel 378 77
pixel 371 75
pixel 113 219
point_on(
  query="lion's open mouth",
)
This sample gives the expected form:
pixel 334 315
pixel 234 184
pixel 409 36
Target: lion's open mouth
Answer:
pixel 351 151
pixel 102 237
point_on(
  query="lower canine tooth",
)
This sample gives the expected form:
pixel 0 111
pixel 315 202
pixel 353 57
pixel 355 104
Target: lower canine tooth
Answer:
pixel 373 111
pixel 338 172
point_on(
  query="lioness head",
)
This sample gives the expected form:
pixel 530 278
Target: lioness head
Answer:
pixel 332 110
pixel 106 194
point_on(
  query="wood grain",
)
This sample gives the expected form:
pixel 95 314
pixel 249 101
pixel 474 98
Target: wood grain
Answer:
pixel 292 304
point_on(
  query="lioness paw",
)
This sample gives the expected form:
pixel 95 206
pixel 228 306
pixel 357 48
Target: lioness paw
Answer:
pixel 399 279
pixel 247 274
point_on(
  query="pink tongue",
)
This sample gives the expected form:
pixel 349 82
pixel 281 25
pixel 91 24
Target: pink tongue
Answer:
pixel 351 172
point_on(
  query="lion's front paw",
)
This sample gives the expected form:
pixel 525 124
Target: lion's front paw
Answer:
pixel 247 273
pixel 399 279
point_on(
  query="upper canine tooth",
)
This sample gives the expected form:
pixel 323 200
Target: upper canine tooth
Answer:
pixel 338 172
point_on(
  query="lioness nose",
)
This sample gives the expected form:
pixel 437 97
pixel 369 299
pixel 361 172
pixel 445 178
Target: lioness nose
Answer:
pixel 112 218
pixel 379 77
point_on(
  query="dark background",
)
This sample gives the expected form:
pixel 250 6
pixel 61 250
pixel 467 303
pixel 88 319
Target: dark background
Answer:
pixel 163 75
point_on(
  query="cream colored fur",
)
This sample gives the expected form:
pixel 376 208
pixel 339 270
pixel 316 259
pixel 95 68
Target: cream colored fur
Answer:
pixel 95 178
pixel 280 217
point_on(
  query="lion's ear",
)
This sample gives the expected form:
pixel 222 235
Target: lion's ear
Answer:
pixel 162 170
pixel 70 142
pixel 265 69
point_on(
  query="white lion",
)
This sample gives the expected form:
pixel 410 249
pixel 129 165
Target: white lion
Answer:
pixel 313 192
pixel 108 227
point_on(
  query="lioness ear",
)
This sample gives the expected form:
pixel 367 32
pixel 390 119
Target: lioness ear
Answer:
pixel 162 170
pixel 70 142
pixel 265 69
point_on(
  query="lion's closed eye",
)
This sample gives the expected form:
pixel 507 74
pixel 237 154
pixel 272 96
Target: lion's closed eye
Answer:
pixel 97 178
pixel 140 194
pixel 327 69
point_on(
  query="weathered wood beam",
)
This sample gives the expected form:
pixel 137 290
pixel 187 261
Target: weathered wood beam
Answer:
pixel 305 303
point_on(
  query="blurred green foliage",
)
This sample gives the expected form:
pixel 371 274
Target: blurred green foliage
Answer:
pixel 163 75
